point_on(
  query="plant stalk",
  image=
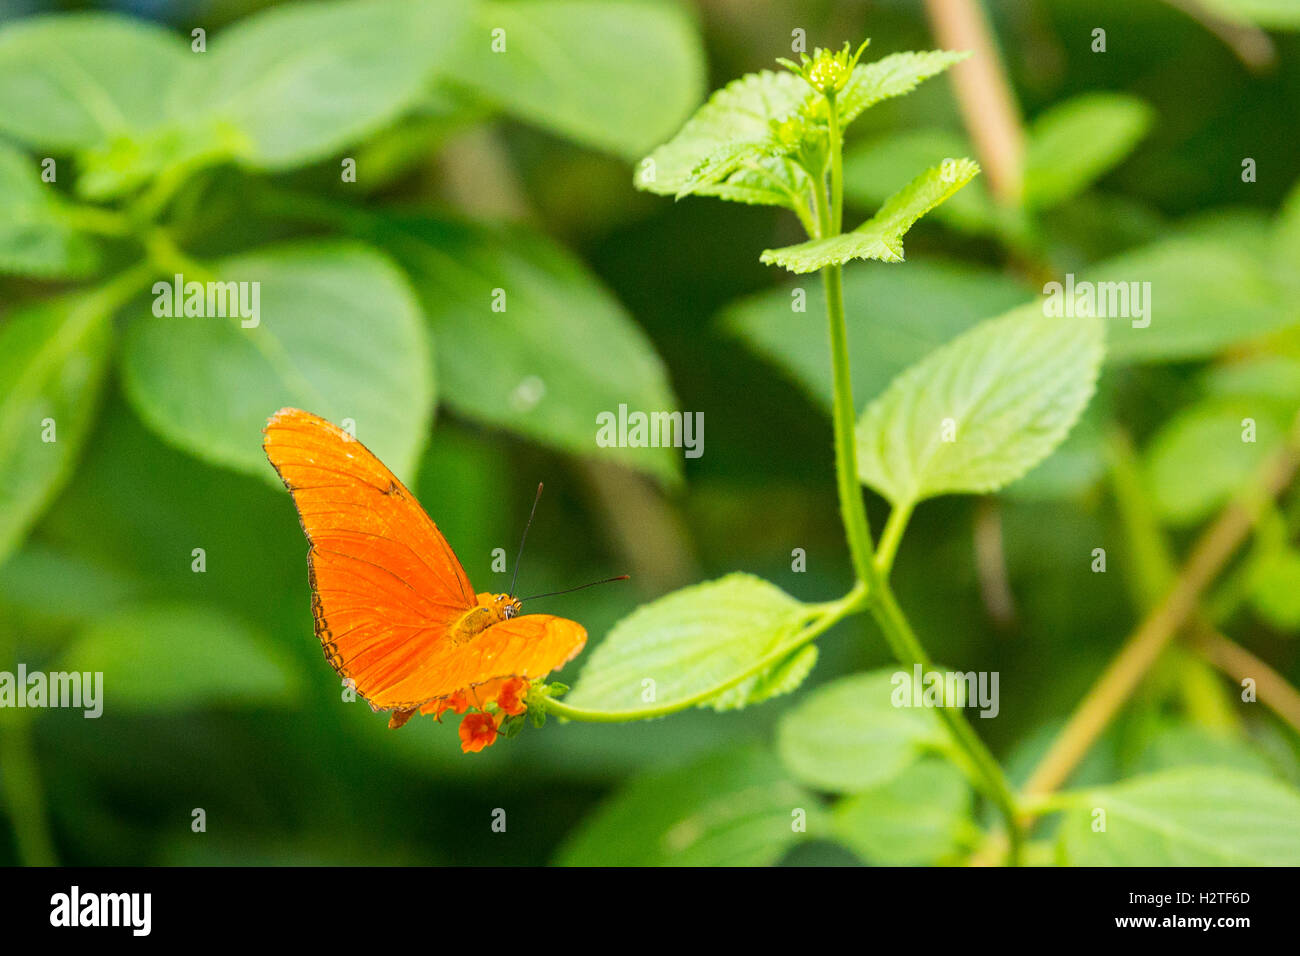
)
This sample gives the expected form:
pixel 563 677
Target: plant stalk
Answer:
pixel 24 795
pixel 870 575
pixel 907 649
pixel 891 537
pixel 852 509
pixel 21 791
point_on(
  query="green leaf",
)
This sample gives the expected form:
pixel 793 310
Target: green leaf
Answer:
pixel 126 163
pixel 637 74
pixel 1206 294
pixel 848 735
pixel 339 334
pixel 895 318
pixel 1269 14
pixel 881 236
pixel 980 412
pixel 1183 745
pixel 1270 379
pixel 561 353
pixel 1196 816
pixel 1073 469
pixel 35 239
pixel 733 808
pixel 734 126
pixel 734 146
pixel 53 356
pixel 920 818
pixel 1281 247
pixel 876 169
pixel 1275 588
pixel 1199 459
pixel 781 678
pixel 56 586
pixel 71 82
pixel 765 181
pixel 1076 142
pixel 304 80
pixel 399 148
pixel 1287 239
pixel 170 657
pixel 691 646
pixel 894 75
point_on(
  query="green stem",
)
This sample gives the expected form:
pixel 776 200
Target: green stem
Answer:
pixel 821 211
pixel 852 510
pixel 23 794
pixel 1234 589
pixel 837 166
pixel 20 781
pixel 166 256
pixel 1153 562
pixel 1045 803
pixel 891 537
pixel 991 780
pixel 827 615
pixel 872 570
pixel 150 204
pixel 93 219
pixel 309 208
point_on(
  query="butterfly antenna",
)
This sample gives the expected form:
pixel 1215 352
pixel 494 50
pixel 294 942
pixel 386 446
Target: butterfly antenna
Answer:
pixel 621 577
pixel 524 537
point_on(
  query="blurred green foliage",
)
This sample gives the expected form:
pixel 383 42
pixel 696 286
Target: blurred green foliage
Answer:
pixel 477 172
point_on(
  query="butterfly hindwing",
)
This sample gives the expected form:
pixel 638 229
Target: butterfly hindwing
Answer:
pixel 528 646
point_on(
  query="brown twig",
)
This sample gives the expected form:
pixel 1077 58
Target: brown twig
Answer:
pixel 984 94
pixel 991 564
pixel 1251 45
pixel 1212 551
pixel 643 526
pixel 1238 663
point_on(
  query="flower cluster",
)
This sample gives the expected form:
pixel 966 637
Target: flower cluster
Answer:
pixel 493 709
pixel 493 703
pixel 826 71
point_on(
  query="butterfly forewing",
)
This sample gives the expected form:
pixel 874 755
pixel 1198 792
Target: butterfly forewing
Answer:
pixel 386 587
pixel 385 583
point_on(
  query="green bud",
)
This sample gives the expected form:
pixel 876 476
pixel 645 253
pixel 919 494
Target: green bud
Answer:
pixel 512 726
pixel 825 71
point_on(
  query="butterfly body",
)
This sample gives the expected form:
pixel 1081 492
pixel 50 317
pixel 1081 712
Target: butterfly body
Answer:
pixel 393 608
pixel 491 609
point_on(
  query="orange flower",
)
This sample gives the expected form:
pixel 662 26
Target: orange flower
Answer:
pixel 478 730
pixel 510 699
pixel 457 703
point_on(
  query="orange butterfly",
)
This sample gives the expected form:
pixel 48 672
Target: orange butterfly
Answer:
pixel 393 608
